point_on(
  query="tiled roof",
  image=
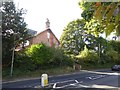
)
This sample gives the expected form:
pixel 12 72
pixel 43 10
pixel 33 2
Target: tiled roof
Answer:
pixel 32 32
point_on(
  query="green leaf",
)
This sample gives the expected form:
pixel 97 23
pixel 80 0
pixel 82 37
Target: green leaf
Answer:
pixel 110 13
pixel 118 30
pixel 98 14
pixel 109 29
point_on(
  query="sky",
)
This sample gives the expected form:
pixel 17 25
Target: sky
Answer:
pixel 59 13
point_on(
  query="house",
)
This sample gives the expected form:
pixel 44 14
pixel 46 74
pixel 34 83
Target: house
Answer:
pixel 47 37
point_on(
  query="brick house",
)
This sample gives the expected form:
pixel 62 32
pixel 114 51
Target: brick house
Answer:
pixel 46 37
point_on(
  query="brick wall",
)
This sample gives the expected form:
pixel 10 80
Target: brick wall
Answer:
pixel 43 38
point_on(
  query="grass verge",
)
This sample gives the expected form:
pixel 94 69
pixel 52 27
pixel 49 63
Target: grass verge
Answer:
pixel 21 74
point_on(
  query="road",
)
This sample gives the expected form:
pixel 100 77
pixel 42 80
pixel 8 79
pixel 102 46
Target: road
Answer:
pixel 83 79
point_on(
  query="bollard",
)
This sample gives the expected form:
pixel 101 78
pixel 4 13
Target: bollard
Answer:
pixel 44 80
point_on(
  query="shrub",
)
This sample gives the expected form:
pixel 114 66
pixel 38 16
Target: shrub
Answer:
pixel 115 45
pixel 40 56
pixel 59 58
pixel 112 52
pixel 88 56
pixel 113 56
pixel 24 62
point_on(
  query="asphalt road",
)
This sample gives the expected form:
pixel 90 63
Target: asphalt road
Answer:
pixel 83 79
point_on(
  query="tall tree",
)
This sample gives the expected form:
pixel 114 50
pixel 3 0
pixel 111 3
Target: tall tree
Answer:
pixel 13 29
pixel 75 37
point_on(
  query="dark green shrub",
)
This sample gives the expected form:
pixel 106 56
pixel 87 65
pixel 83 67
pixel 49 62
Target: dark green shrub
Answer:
pixel 58 58
pixel 24 62
pixel 113 56
pixel 68 61
pixel 112 52
pixel 115 45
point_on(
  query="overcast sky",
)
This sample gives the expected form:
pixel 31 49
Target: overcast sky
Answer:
pixel 59 12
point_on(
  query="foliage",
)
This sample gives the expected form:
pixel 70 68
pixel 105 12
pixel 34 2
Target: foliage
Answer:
pixel 71 37
pixel 113 56
pixel 59 58
pixel 23 62
pixel 40 56
pixel 88 11
pixel 115 45
pixel 13 29
pixel 92 25
pixel 87 56
pixel 112 52
pixel 106 14
pixel 103 17
pixel 75 37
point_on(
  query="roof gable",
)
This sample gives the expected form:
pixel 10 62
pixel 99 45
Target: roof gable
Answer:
pixel 49 30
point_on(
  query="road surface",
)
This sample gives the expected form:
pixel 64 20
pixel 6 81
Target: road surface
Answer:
pixel 83 79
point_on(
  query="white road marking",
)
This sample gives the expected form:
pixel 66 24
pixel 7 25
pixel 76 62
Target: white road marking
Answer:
pixel 65 81
pixel 76 81
pixel 90 77
pixel 54 86
pixel 84 86
pixel 95 77
pixel 72 84
pixel 114 73
pixel 102 86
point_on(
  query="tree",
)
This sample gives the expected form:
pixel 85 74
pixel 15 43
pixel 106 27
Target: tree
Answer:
pixel 101 17
pixel 13 29
pixel 105 14
pixel 75 37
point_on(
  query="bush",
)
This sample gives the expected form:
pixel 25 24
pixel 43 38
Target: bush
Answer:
pixel 113 56
pixel 87 56
pixel 39 53
pixel 40 56
pixel 59 58
pixel 112 52
pixel 115 45
pixel 24 62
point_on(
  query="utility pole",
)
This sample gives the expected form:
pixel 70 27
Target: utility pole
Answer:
pixel 13 54
pixel 11 73
pixel 99 52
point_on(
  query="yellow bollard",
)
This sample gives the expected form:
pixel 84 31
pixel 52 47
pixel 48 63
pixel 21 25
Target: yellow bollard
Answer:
pixel 44 80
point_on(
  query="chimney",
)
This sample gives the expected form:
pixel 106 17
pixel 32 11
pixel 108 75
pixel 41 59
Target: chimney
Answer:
pixel 47 24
